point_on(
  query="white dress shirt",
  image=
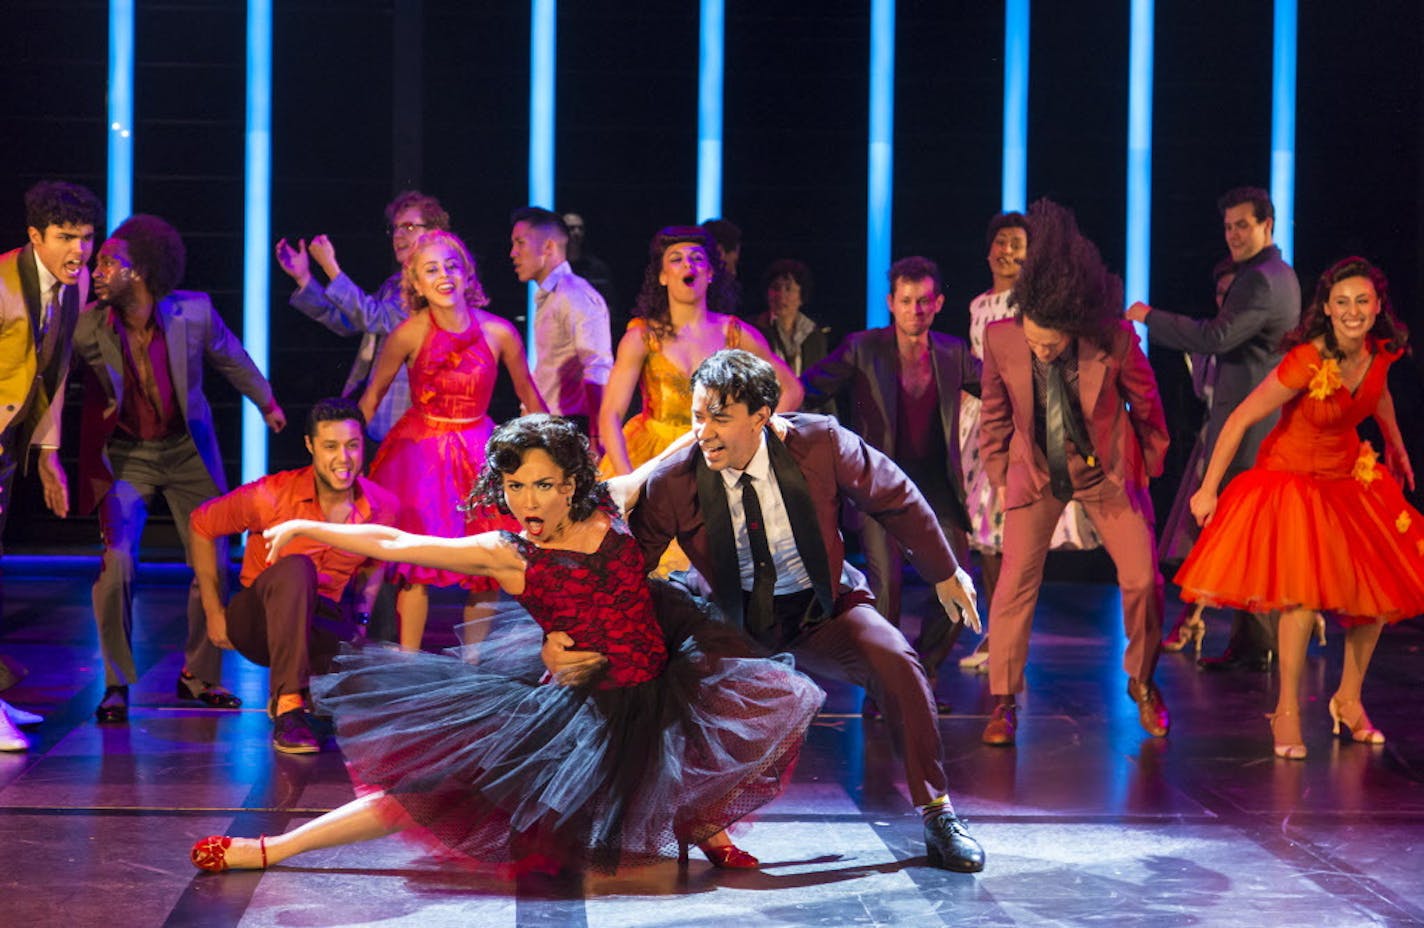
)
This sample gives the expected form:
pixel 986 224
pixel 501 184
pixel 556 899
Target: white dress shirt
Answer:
pixel 572 344
pixel 791 576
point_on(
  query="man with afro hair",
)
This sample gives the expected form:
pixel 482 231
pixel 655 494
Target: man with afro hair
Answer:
pixel 148 429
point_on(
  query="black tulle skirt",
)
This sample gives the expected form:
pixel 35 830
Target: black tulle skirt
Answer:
pixel 492 763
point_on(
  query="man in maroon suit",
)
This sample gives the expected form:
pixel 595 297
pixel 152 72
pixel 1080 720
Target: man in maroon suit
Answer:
pixel 757 517
pixel 1071 411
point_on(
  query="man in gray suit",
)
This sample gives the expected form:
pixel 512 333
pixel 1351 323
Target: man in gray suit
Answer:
pixel 148 429
pixel 1243 341
pixel 904 383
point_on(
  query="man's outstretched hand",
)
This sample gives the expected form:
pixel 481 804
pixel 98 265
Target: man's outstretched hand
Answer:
pixel 958 597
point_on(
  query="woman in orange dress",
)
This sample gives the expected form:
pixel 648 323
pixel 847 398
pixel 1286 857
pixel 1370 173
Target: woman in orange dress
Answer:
pixel 1319 524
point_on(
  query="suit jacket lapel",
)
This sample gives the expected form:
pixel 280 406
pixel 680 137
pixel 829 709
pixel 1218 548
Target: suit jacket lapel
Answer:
pixel 805 527
pixel 727 584
pixel 886 382
pixel 30 288
pixel 1091 370
pixel 175 336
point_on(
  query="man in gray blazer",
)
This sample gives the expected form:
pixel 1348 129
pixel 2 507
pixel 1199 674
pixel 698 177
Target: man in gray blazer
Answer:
pixel 1243 341
pixel 904 383
pixel 148 429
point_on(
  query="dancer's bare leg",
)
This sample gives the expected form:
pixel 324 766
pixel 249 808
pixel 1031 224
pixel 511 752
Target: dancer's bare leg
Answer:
pixel 479 609
pixel 1294 638
pixel 1360 641
pixel 363 819
pixel 412 609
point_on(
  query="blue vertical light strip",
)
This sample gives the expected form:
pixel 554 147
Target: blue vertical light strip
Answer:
pixel 121 111
pixel 1014 196
pixel 711 57
pixel 543 55
pixel 880 182
pixel 1137 279
pixel 257 224
pixel 1283 128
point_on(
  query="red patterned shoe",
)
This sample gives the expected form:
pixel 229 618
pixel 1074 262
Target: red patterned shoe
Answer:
pixel 211 853
pixel 722 856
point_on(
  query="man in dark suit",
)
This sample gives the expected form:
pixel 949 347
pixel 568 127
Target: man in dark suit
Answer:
pixel 1071 412
pixel 148 429
pixel 1243 341
pixel 42 286
pixel 904 383
pixel 758 519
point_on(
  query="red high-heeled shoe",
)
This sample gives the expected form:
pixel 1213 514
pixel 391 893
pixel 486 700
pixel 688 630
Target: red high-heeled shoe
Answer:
pixel 211 852
pixel 722 856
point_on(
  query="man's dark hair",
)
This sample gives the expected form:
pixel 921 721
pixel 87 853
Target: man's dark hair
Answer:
pixel 739 376
pixel 1006 221
pixel 796 270
pixel 1259 199
pixel 155 250
pixel 333 409
pixel 1064 284
pixel 915 268
pixel 546 222
pixel 430 209
pixel 57 203
pixel 725 232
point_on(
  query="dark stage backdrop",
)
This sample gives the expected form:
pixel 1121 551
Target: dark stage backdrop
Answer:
pixel 360 113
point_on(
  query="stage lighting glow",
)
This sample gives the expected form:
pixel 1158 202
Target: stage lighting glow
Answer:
pixel 121 111
pixel 1283 128
pixel 257 224
pixel 543 47
pixel 1138 265
pixel 1014 194
pixel 711 53
pixel 880 182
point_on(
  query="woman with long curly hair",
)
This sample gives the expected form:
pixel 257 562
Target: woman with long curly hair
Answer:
pixel 1319 524
pixel 668 735
pixel 433 455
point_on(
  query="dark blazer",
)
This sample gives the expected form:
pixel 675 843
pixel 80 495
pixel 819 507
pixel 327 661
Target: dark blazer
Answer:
pixel 29 391
pixel 1245 335
pixel 820 465
pixel 1122 411
pixel 195 333
pixel 868 364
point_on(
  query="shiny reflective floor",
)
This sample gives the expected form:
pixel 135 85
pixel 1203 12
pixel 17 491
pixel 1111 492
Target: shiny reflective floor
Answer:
pixel 1086 821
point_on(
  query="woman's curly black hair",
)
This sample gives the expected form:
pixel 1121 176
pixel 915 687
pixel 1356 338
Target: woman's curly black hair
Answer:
pixel 652 303
pixel 1064 284
pixel 1315 323
pixel 557 437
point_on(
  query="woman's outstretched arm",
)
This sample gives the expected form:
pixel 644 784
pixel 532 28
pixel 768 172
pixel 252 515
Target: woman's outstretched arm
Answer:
pixel 485 555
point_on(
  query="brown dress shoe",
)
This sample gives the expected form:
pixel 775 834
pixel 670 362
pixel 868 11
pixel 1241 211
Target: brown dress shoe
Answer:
pixel 1002 725
pixel 1151 709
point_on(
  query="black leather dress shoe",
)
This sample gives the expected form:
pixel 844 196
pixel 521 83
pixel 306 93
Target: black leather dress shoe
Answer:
pixel 1233 659
pixel 114 707
pixel 292 733
pixel 949 846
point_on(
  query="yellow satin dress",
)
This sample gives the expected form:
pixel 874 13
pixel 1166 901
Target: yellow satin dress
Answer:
pixel 666 413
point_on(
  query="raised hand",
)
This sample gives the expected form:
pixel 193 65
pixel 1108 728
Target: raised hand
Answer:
pixel 294 261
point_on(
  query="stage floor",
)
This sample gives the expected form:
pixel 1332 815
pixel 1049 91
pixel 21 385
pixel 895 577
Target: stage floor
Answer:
pixel 1086 821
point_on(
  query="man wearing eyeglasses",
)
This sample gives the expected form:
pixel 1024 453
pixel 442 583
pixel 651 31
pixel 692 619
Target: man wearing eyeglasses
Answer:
pixel 346 309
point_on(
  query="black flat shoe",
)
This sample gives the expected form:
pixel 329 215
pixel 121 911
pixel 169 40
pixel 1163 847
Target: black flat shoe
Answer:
pixel 114 707
pixel 209 694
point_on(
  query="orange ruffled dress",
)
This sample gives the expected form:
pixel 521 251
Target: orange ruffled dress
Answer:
pixel 1318 523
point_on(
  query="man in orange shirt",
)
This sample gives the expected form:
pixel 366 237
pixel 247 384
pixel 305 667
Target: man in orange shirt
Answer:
pixel 293 614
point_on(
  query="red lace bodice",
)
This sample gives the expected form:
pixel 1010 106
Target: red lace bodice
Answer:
pixel 601 600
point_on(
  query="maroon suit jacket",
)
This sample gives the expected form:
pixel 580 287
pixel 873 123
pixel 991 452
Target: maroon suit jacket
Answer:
pixel 1122 411
pixel 819 466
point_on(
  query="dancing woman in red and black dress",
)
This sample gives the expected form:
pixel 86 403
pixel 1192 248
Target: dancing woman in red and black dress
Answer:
pixel 1320 523
pixel 670 736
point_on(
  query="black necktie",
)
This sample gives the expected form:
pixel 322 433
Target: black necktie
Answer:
pixel 1055 433
pixel 760 612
